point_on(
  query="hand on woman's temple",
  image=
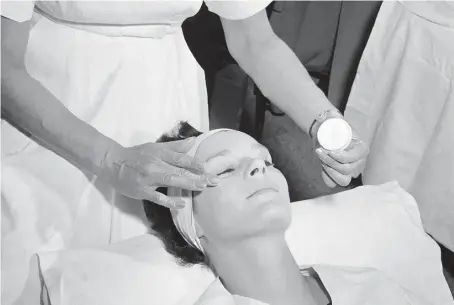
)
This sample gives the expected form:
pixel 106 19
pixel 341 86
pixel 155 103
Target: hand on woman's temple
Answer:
pixel 137 171
pixel 340 167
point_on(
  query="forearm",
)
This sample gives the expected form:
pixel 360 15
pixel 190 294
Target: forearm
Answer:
pixel 31 108
pixel 282 78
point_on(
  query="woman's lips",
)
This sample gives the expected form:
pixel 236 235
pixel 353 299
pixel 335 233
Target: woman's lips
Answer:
pixel 262 191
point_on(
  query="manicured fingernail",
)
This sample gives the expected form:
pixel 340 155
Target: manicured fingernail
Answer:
pixel 319 152
pixel 201 185
pixel 213 180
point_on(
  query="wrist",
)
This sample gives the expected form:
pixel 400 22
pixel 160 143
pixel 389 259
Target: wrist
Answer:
pixel 109 159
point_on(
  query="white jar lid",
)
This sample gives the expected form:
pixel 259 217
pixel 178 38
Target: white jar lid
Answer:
pixel 334 134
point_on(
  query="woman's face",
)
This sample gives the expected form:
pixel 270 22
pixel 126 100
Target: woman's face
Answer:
pixel 252 197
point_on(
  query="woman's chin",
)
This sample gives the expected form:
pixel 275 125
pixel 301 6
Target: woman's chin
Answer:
pixel 275 212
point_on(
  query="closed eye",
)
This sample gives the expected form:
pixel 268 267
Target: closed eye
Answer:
pixel 229 170
pixel 268 163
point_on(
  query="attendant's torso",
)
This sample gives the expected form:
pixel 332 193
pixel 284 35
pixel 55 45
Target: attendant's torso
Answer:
pixel 148 19
pixel 120 12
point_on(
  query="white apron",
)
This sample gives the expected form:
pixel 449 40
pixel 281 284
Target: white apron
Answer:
pixel 402 103
pixel 131 82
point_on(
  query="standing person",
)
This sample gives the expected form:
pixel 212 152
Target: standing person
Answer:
pixel 402 103
pixel 91 85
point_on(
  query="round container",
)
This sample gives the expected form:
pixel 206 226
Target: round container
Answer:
pixel 334 134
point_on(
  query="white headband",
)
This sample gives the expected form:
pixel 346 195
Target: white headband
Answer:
pixel 184 218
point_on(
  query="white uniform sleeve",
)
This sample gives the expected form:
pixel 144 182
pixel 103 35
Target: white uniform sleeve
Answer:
pixel 236 9
pixel 17 10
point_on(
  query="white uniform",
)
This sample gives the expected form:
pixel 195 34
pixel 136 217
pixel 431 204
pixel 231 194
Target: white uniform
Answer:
pixel 402 102
pixel 132 79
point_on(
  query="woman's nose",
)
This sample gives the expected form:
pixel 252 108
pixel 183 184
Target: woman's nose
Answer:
pixel 256 168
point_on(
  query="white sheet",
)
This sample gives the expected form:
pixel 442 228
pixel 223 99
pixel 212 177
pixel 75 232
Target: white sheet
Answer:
pixel 366 244
pixel 368 247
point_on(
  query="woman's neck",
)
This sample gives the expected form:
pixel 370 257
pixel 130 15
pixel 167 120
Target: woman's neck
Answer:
pixel 261 268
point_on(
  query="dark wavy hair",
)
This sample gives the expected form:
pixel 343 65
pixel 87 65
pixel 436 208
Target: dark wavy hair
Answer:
pixel 161 219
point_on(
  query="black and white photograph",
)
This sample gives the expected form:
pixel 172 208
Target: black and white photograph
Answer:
pixel 227 152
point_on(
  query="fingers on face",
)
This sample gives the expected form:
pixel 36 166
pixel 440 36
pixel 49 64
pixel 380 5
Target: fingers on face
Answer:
pixel 182 160
pixel 166 201
pixel 180 181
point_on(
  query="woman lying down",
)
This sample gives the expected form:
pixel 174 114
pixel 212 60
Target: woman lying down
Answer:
pixel 238 230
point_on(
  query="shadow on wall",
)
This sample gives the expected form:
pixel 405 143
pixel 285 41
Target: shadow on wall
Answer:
pixel 205 38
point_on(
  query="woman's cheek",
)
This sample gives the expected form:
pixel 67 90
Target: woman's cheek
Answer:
pixel 208 202
pixel 224 198
pixel 283 185
pixel 203 201
pixel 217 209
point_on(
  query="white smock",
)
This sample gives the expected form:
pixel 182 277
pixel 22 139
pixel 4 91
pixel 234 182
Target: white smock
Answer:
pixel 402 103
pixel 122 67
